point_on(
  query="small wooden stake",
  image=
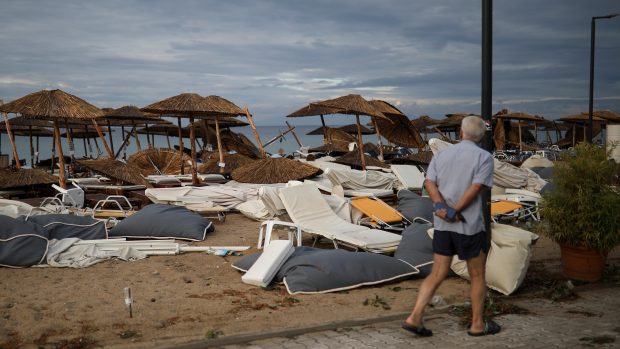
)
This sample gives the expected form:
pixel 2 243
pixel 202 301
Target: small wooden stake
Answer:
pixel 10 133
pixel 260 144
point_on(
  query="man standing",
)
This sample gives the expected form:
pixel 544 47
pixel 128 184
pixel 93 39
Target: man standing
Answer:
pixel 454 181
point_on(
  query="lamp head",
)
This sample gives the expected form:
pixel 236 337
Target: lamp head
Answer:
pixel 608 16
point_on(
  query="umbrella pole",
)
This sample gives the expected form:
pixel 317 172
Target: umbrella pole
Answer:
pixel 219 144
pixel 536 132
pixel 180 143
pixel 206 137
pixel 324 131
pixel 148 135
pixel 10 133
pixel 574 134
pixel 294 134
pixel 90 146
pixel 168 140
pixel 84 144
pixel 61 156
pixel 36 154
pixel 110 136
pixel 520 147
pixel 360 146
pixel 136 136
pixel 260 144
pixel 124 145
pixel 71 146
pixel 192 136
pixel 97 146
pixel 105 144
pixel 379 138
pixel 31 146
pixel 53 162
pixel 124 142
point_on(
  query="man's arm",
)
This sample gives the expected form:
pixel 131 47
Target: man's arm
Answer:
pixel 433 191
pixel 470 194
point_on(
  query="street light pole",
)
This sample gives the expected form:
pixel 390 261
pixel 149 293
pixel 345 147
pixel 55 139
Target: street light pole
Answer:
pixel 591 100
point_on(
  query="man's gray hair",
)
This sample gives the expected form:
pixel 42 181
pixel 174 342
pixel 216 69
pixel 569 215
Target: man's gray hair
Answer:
pixel 473 128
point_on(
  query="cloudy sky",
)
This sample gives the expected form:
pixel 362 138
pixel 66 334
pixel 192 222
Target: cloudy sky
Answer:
pixel 276 56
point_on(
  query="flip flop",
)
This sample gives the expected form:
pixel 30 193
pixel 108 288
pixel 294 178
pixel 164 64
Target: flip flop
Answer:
pixel 490 327
pixel 418 330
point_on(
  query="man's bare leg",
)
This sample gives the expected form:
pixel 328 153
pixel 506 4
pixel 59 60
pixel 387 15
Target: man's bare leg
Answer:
pixel 476 269
pixel 441 266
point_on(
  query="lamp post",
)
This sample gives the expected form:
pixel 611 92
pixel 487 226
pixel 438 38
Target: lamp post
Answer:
pixel 591 100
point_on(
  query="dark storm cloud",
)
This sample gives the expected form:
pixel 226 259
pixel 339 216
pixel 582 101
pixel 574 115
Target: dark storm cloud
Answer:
pixel 276 56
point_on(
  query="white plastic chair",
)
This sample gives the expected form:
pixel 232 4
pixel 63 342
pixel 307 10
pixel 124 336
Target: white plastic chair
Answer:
pixel 266 231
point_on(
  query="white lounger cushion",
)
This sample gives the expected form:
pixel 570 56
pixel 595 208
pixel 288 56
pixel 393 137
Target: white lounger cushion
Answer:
pixel 409 176
pixel 306 207
pixel 267 265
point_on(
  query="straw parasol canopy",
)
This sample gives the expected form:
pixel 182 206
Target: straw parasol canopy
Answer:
pixel 193 105
pixel 399 131
pixel 154 161
pixel 233 161
pixel 420 158
pixel 55 105
pixel 274 170
pixel 352 129
pixel 338 140
pixel 117 170
pixel 424 121
pixel 25 177
pixel 352 159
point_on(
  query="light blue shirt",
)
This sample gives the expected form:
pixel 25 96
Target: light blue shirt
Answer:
pixel 454 170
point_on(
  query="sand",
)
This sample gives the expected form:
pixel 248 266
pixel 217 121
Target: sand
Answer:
pixel 182 298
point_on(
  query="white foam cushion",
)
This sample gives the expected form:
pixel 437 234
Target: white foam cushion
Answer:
pixel 267 265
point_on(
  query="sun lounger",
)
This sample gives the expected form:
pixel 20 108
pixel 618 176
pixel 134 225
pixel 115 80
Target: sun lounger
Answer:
pixel 267 265
pixel 306 207
pixel 512 210
pixel 379 214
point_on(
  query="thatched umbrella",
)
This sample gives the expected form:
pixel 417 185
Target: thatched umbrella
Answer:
pixel 399 131
pixel 22 126
pixel 116 169
pixel 25 177
pixel 338 140
pixel 194 105
pixel 133 116
pixel 352 129
pixel 158 161
pixel 312 110
pixel 350 104
pixel 55 105
pixel 352 159
pixel 420 158
pixel 583 119
pixel 233 161
pixel 504 114
pixel 274 170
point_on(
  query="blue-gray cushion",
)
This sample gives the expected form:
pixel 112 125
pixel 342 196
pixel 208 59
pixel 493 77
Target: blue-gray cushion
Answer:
pixel 22 244
pixel 63 226
pixel 312 270
pixel 160 221
pixel 412 205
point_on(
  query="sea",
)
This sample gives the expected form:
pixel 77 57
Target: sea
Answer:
pixel 286 144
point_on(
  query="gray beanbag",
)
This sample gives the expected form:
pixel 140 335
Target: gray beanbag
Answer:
pixel 416 248
pixel 62 226
pixel 22 244
pixel 412 205
pixel 312 270
pixel 160 221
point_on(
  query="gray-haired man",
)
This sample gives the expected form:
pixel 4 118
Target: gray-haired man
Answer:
pixel 454 181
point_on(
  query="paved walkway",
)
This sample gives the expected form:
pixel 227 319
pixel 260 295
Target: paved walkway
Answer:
pixel 593 320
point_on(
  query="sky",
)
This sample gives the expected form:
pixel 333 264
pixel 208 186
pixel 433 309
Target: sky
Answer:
pixel 424 56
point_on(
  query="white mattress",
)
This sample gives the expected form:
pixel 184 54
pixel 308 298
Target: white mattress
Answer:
pixel 410 176
pixel 267 265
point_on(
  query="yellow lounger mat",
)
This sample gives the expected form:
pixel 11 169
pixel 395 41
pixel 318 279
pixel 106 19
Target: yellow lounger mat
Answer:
pixel 377 210
pixel 504 207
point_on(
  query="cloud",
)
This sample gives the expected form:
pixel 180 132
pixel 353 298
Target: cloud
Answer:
pixel 276 56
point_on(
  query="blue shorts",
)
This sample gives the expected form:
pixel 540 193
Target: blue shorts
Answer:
pixel 449 243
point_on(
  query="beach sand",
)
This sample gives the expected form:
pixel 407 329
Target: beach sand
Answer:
pixel 182 298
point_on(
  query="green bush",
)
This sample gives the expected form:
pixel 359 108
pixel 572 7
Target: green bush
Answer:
pixel 584 208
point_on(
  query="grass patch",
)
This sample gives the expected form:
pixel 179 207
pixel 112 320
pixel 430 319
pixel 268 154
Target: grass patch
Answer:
pixel 377 302
pixel 212 334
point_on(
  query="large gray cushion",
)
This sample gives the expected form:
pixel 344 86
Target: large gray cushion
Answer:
pixel 412 205
pixel 416 248
pixel 312 270
pixel 160 221
pixel 62 226
pixel 22 244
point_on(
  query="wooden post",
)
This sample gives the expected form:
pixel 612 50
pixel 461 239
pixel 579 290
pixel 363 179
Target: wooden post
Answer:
pixel 90 147
pixel 53 162
pixel 110 136
pixel 124 141
pixel 124 144
pixel 70 141
pixel 520 141
pixel 105 144
pixel 168 140
pixel 324 131
pixel 192 137
pixel 204 131
pixel 360 145
pixel 574 133
pixel 260 145
pixel 84 144
pixel 376 124
pixel 61 156
pixel 294 134
pixel 136 136
pixel 36 155
pixel 31 146
pixel 180 144
pixel 12 140
pixel 148 135
pixel 219 144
